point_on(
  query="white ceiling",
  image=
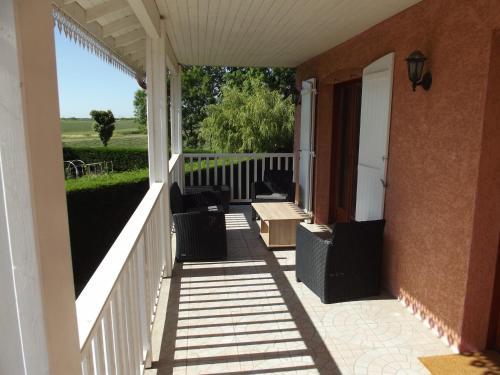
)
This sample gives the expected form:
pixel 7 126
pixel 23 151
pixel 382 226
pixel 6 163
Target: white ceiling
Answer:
pixel 267 32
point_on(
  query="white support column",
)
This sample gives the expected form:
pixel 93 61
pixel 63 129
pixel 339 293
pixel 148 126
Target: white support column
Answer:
pixel 158 130
pixel 176 111
pixel 39 333
pixel 176 120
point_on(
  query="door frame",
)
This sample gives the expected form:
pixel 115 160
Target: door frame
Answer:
pixel 334 178
pixel 308 205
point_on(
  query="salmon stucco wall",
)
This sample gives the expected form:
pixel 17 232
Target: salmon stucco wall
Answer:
pixel 486 230
pixel 434 150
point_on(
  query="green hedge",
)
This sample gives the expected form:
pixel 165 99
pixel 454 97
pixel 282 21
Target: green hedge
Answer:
pixel 97 212
pixel 124 159
pixel 92 183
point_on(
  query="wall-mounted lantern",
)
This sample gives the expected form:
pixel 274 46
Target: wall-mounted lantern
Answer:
pixel 416 62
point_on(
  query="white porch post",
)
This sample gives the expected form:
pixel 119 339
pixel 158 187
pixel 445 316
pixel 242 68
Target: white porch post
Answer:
pixel 176 111
pixel 176 120
pixel 158 130
pixel 39 333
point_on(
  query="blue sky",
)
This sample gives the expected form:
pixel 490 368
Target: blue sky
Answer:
pixel 87 82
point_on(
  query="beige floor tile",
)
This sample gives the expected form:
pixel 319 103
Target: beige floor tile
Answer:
pixel 248 315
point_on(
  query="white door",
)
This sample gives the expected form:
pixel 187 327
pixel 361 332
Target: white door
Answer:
pixel 306 151
pixel 376 100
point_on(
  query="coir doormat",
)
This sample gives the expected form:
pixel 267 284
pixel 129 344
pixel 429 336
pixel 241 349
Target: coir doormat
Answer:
pixel 484 363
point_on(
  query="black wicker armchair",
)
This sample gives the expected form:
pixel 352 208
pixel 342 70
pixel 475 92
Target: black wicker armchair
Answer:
pixel 345 266
pixel 194 202
pixel 278 186
pixel 200 227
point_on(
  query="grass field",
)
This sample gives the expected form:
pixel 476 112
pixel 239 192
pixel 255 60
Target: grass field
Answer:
pixel 79 133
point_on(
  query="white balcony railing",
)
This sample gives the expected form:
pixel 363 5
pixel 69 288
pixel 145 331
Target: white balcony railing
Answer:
pixel 236 170
pixel 116 309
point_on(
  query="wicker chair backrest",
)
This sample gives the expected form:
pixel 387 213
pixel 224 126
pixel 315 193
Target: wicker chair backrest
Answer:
pixel 359 237
pixel 278 180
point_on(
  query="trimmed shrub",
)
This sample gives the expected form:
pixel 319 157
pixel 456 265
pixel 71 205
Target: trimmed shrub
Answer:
pixel 124 159
pixel 96 217
pixel 98 182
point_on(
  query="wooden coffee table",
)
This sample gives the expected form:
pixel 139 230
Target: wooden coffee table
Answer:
pixel 278 222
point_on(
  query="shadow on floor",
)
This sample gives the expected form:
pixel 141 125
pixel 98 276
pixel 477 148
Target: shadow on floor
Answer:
pixel 239 316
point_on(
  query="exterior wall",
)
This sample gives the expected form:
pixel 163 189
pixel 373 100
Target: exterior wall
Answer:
pixel 435 155
pixel 486 229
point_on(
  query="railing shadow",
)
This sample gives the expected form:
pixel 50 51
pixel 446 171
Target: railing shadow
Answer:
pixel 239 317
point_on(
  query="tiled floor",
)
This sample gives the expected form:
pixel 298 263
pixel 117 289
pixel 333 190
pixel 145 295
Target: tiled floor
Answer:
pixel 248 315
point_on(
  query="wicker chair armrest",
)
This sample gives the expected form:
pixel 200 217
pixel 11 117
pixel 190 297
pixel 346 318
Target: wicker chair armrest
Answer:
pixel 312 257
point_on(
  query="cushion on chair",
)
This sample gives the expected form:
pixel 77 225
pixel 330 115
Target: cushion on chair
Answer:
pixel 274 196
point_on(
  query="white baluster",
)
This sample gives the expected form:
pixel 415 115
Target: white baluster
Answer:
pixel 231 177
pixel 98 351
pixel 248 178
pixel 263 167
pixel 239 179
pixel 216 166
pixel 255 163
pixel 191 172
pixel 199 171
pixel 224 161
pixel 109 344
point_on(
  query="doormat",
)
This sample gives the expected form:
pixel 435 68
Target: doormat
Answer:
pixel 484 363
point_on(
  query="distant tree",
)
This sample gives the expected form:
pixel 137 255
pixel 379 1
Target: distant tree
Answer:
pixel 140 109
pixel 104 124
pixel 249 118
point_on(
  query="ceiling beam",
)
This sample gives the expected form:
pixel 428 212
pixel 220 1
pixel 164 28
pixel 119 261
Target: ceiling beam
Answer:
pixel 118 25
pixel 129 38
pixel 134 47
pixel 172 63
pixel 148 15
pixel 104 9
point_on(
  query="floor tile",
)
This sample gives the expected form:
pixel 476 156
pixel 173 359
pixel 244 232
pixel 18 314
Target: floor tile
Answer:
pixel 248 315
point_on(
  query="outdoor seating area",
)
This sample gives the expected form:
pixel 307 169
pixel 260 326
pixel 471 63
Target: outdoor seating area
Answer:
pixel 248 314
pixel 344 220
pixel 276 186
pixel 199 225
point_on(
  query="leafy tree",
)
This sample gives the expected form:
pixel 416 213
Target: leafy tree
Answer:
pixel 104 124
pixel 279 79
pixel 140 109
pixel 249 118
pixel 200 88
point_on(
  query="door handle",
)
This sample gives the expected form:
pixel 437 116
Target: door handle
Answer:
pixel 384 184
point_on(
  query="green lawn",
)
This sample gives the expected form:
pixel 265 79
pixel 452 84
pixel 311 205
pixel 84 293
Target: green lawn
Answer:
pixel 79 133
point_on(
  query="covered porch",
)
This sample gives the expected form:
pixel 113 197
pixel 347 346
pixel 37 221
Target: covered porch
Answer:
pixel 249 315
pixel 143 313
